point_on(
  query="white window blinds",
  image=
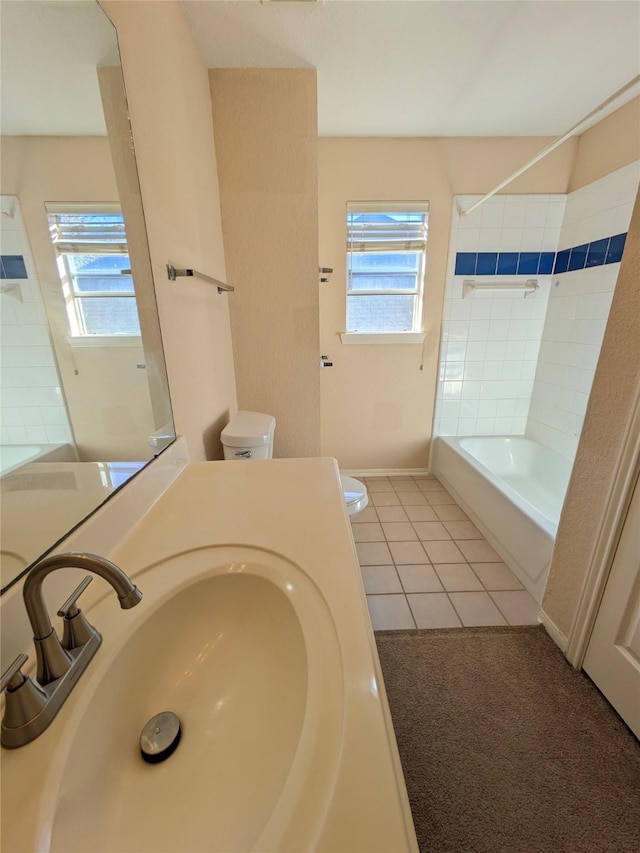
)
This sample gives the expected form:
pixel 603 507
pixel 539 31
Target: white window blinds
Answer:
pixel 378 227
pixel 76 229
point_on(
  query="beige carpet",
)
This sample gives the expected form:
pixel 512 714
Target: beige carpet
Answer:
pixel 505 747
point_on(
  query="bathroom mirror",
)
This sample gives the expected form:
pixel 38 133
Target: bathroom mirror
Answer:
pixel 84 395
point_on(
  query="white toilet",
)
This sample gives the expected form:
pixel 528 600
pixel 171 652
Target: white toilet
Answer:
pixel 249 435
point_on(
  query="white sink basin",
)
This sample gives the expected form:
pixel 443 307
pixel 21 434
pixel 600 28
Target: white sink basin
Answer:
pixel 245 652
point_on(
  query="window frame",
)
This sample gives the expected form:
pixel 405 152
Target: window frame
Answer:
pixel 73 296
pixel 417 242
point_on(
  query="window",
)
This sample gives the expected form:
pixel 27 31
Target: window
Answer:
pixel 386 255
pixel 94 268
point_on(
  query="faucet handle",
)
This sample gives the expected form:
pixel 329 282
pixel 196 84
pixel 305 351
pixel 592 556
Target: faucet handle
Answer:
pixel 24 699
pixel 76 629
pixel 12 677
pixel 69 608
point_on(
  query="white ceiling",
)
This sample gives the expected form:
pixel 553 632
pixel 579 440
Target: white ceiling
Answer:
pixel 385 67
pixel 434 67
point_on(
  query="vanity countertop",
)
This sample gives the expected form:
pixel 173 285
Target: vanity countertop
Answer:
pixel 295 509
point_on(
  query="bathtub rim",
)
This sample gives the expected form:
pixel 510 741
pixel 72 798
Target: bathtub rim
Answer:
pixel 549 526
pixel 42 452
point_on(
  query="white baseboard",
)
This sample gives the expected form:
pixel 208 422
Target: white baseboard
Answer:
pixel 553 631
pixel 386 472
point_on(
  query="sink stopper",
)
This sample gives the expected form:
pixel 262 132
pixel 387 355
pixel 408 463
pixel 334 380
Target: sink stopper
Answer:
pixel 160 737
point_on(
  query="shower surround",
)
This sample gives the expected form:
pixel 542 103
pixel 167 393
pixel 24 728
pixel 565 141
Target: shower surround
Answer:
pixel 516 365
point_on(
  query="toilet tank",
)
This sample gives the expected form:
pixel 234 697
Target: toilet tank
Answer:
pixel 249 435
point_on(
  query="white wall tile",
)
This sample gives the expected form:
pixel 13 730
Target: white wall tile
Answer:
pixel 476 350
pixel 511 370
pixel 473 370
pixel 496 350
pixel 516 350
pixel 536 215
pixel 532 239
pixel 518 330
pixel 504 426
pixel 506 408
pixel 501 309
pixel 489 239
pixel 466 426
pixel 555 214
pixel 478 330
pixel 32 404
pixel 454 350
pixel 492 213
pixel 468 409
pixel 460 309
pixel 481 308
pixel 521 309
pixel 492 370
pixel 498 330
pixel 577 312
pixel 470 220
pixel 533 357
pixel 451 390
pixel 510 239
pixel 470 390
pixel 467 240
pixel 448 426
pixel 485 426
pixel 515 213
pixel 449 408
pixel 487 408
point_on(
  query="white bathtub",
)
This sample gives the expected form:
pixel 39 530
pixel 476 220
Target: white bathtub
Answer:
pixel 513 489
pixel 13 456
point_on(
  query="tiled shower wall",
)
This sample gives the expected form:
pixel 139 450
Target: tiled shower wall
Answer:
pixel 597 216
pixel 513 365
pixel 491 339
pixel 33 409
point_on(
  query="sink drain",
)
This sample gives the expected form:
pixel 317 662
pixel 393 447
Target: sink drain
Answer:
pixel 160 737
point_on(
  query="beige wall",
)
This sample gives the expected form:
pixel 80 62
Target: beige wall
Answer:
pixel 107 397
pixel 266 140
pixel 612 143
pixel 615 388
pixel 377 400
pixel 168 94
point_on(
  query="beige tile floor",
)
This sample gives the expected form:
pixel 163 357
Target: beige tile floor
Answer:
pixel 426 565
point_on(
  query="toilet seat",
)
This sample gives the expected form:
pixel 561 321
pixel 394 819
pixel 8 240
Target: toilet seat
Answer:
pixel 355 494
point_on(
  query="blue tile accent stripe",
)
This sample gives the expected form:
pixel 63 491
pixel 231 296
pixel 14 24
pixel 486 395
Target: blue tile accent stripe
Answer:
pixel 600 252
pixel 616 248
pixel 12 266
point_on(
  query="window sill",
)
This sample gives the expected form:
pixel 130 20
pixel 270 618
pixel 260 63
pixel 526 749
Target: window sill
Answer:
pixel 382 337
pixel 104 340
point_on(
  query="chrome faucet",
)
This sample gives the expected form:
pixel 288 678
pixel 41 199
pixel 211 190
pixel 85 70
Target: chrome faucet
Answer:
pixel 31 707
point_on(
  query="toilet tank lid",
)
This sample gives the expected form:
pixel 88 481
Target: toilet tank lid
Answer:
pixel 249 429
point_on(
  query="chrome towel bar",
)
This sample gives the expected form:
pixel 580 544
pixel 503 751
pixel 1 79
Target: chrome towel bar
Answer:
pixel 174 273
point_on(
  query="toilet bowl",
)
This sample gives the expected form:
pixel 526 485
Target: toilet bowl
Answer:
pixel 249 435
pixel 355 494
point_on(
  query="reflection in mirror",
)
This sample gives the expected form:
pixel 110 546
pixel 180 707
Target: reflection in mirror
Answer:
pixel 85 400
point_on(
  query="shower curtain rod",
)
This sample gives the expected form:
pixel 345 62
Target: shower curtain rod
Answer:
pixel 552 145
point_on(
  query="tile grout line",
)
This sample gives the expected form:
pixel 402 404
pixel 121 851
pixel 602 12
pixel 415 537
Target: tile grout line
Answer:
pixel 498 606
pixel 466 562
pixel 504 615
pixel 455 610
